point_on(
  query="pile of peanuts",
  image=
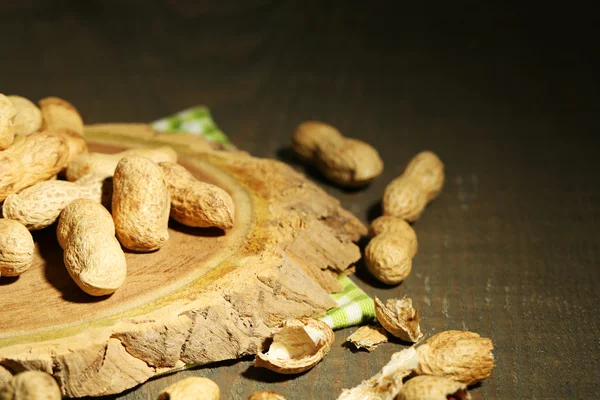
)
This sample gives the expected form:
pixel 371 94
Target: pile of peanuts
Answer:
pixel 48 175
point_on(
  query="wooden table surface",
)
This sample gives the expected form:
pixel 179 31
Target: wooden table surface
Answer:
pixel 506 97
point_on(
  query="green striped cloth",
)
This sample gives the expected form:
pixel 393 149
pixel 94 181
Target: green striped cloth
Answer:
pixel 354 306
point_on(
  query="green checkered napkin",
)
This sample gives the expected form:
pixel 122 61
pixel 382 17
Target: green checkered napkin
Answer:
pixel 354 306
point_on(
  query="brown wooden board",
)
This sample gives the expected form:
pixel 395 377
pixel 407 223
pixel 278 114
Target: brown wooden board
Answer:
pixel 506 95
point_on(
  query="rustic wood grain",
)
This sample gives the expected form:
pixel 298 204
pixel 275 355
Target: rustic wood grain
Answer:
pixel 508 98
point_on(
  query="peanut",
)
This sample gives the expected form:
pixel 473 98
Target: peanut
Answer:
pixel 399 318
pixel 92 254
pixel 389 254
pixel 347 162
pixel 31 385
pixel 31 159
pixel 463 356
pixel 29 117
pixel 191 389
pixel 75 142
pixel 298 345
pixel 7 116
pixel 195 203
pixel 266 395
pixel 16 248
pixel 106 163
pixel 39 205
pixel 421 182
pixel 140 204
pixel 429 387
pixel 60 114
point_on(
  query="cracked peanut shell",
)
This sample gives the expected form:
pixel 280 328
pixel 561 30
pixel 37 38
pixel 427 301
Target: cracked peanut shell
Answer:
pixel 298 345
pixel 460 355
pixel 368 337
pixel 399 318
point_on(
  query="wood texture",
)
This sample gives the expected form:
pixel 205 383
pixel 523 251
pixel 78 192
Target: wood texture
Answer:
pixel 508 98
pixel 206 296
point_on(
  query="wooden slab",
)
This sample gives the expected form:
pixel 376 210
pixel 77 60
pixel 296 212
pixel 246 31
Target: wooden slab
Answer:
pixel 205 296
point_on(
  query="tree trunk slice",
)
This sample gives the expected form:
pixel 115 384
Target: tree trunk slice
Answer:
pixel 206 296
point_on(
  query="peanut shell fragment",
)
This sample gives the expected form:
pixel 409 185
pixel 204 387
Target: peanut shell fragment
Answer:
pixel 368 337
pixel 429 387
pixel 31 385
pixel 459 355
pixel 347 162
pixel 140 204
pixel 399 318
pixel 16 248
pixel 421 182
pixel 195 203
pixel 387 383
pixel 194 388
pixel 28 118
pixel 298 345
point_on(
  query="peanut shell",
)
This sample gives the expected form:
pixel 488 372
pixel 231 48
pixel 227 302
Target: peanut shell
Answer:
pixel 420 183
pixel 368 337
pixel 389 258
pixel 298 345
pixel 266 395
pixel 463 356
pixel 429 387
pixel 399 318
pixel 16 248
pixel 7 116
pixel 387 383
pixel 31 385
pixel 28 118
pixel 194 388
pixel 60 114
pixel 195 203
pixel 140 204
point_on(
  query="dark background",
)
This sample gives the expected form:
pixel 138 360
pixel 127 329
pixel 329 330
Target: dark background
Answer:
pixel 506 95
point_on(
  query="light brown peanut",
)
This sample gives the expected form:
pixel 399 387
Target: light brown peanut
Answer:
pixel 298 345
pixel 31 159
pixel 75 142
pixel 31 385
pixel 140 204
pixel 7 116
pixel 16 248
pixel 347 162
pixel 421 182
pixel 92 255
pixel 39 205
pixel 195 203
pixel 399 318
pixel 389 254
pixel 107 163
pixel 266 395
pixel 59 114
pixel 28 118
pixel 194 388
pixel 463 356
pixel 429 387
